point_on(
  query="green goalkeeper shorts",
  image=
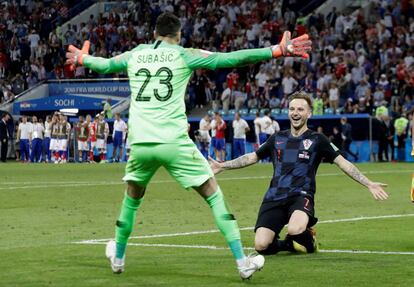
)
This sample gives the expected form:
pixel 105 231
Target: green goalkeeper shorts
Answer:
pixel 183 161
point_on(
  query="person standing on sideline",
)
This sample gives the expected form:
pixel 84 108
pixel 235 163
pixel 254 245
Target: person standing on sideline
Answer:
pixel 37 140
pixel 220 138
pixel 46 155
pixel 203 136
pixel 347 138
pixel 257 129
pixel 82 134
pixel 92 135
pixel 401 125
pixel 4 137
pixel 240 128
pixel 266 127
pixel 118 137
pixel 102 131
pixel 24 138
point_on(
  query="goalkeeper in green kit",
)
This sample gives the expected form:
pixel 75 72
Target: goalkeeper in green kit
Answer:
pixel 157 126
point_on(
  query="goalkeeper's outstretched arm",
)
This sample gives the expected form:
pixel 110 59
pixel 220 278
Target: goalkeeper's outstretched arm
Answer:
pixel 100 65
pixel 240 162
pixel 201 59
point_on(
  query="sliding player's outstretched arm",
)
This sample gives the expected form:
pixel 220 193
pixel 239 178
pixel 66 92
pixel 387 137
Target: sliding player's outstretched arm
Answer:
pixel 376 188
pixel 240 162
pixel 81 57
pixel 296 47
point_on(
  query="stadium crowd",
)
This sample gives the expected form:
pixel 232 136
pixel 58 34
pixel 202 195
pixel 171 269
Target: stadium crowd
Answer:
pixel 359 62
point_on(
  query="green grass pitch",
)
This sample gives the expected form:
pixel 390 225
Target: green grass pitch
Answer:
pixel 44 209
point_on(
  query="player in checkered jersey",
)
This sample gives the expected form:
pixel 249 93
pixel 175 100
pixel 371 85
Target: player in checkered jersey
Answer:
pixel 296 154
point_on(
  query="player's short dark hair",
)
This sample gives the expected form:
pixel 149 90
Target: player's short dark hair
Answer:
pixel 301 95
pixel 167 25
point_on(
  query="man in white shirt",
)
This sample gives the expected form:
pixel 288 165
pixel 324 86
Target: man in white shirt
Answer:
pixel 257 129
pixel 118 136
pixel 225 98
pixel 240 128
pixel 24 138
pixel 203 136
pixel 37 139
pixel 261 79
pixel 266 127
pixel 289 84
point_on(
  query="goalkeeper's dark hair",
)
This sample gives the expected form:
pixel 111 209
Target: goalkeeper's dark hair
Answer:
pixel 301 95
pixel 167 25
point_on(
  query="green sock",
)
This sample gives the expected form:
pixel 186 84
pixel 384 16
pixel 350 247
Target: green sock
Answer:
pixel 226 223
pixel 125 223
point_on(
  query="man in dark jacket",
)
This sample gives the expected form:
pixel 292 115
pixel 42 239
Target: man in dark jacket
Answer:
pixel 4 136
pixel 347 138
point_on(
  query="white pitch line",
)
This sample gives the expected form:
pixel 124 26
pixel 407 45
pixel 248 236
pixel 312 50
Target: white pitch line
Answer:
pixel 251 228
pixel 78 184
pixel 212 247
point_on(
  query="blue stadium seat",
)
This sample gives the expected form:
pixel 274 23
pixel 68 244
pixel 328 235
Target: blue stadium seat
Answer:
pixel 253 111
pixel 275 112
pixel 284 111
pixel 328 111
pixel 244 112
pixel 210 112
pixel 232 112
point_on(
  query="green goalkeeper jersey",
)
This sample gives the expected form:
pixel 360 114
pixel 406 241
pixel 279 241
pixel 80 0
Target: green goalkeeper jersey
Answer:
pixel 158 77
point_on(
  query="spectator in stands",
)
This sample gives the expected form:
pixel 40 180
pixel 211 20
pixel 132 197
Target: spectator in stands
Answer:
pixel 274 102
pixel 240 128
pixel 346 134
pixel 289 84
pixel 37 140
pixel 363 90
pixel 261 80
pixel 31 80
pixel 232 79
pixel 200 82
pixel 317 105
pixel 333 97
pixel 17 84
pixel 24 139
pixel 226 98
pixel 239 96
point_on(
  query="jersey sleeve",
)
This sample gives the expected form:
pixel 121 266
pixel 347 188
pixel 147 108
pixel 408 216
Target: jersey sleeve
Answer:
pixel 265 150
pixel 101 65
pixel 201 59
pixel 327 150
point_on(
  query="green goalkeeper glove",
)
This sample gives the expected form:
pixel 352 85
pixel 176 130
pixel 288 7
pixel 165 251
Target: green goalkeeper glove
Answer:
pixel 296 47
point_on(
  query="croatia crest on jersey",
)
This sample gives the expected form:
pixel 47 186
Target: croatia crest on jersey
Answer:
pixel 307 143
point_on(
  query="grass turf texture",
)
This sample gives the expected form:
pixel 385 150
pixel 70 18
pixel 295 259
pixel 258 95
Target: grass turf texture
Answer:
pixel 44 208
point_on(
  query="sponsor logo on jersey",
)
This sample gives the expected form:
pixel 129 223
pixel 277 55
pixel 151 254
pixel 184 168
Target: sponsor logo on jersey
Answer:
pixel 304 155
